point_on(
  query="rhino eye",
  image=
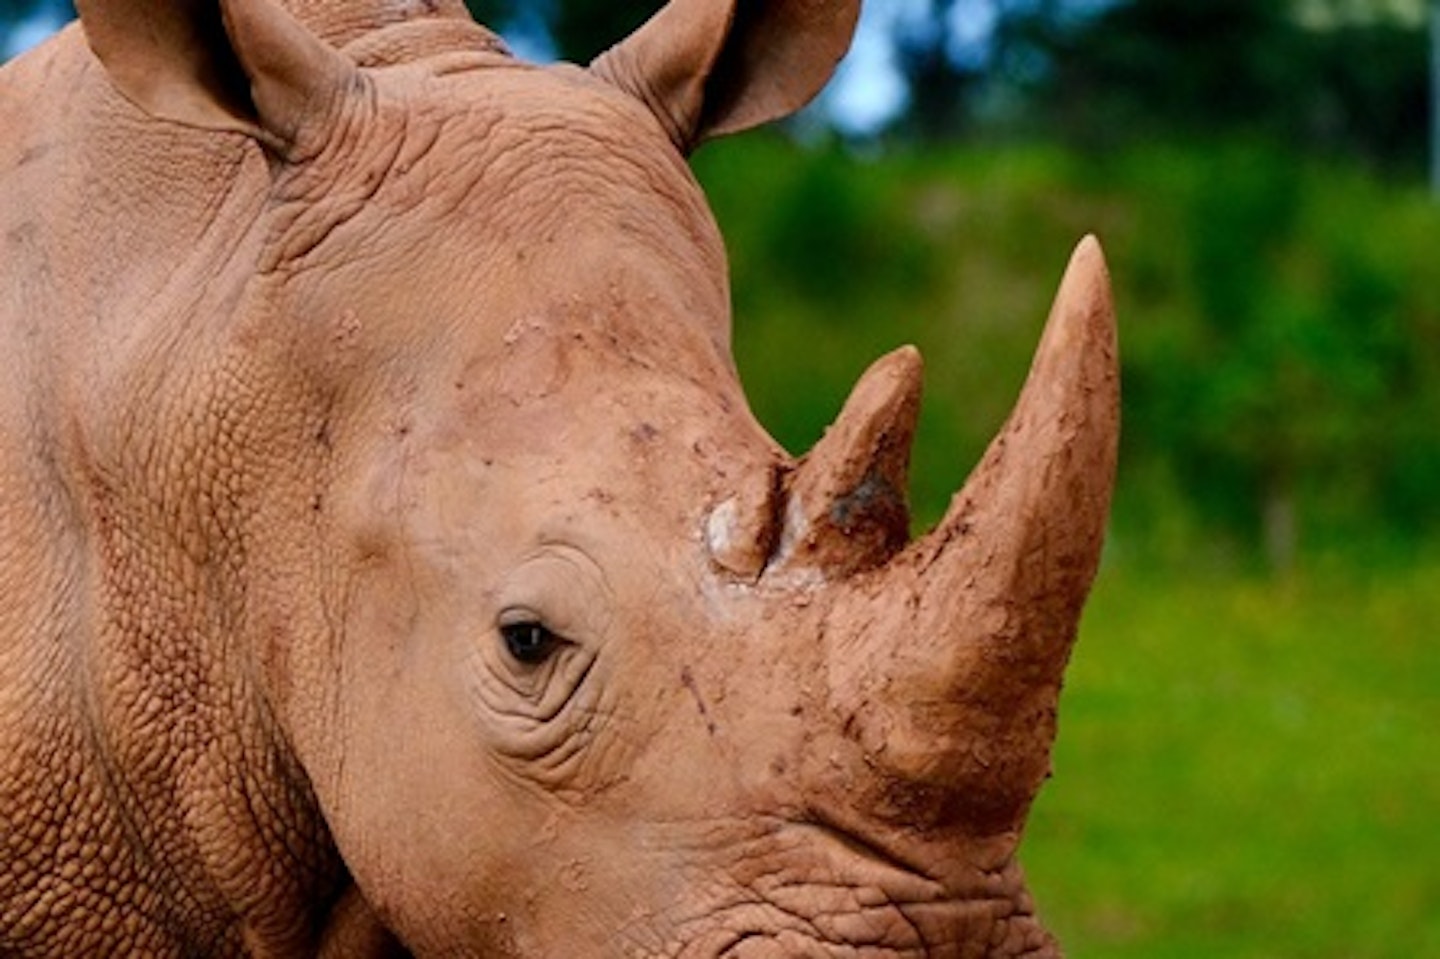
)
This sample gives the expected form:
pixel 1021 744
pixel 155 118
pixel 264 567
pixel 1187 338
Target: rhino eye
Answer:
pixel 530 642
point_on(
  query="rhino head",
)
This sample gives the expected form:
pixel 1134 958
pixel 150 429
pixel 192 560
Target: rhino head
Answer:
pixel 575 659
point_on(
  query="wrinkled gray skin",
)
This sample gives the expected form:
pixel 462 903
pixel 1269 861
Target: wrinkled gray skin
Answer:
pixel 390 565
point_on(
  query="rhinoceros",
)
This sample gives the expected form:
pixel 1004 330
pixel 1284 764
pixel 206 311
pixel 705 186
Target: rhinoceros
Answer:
pixel 390 563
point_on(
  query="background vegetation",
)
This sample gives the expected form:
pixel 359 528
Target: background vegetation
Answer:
pixel 1245 767
pixel 1246 761
pixel 1279 327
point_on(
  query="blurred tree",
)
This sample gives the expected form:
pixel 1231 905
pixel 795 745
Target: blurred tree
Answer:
pixel 962 60
pixel 578 29
pixel 942 86
pixel 1197 63
pixel 1279 381
pixel 1335 81
pixel 1372 91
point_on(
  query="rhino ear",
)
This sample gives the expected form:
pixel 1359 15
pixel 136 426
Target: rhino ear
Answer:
pixel 706 68
pixel 243 65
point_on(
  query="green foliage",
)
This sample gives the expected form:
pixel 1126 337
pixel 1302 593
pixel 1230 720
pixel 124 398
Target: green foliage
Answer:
pixel 1295 356
pixel 1208 67
pixel 1192 62
pixel 1277 325
pixel 1243 770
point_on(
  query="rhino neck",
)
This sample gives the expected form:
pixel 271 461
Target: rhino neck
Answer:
pixel 192 799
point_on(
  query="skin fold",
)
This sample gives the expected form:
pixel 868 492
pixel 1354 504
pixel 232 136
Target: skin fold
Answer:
pixel 390 563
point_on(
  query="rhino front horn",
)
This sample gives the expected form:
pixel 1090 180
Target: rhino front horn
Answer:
pixel 956 689
pixel 846 503
pixel 1025 533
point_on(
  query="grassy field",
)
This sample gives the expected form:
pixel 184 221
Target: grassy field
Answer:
pixel 1248 769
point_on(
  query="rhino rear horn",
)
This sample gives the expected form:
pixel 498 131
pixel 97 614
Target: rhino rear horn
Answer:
pixel 707 68
pixel 238 65
pixel 847 502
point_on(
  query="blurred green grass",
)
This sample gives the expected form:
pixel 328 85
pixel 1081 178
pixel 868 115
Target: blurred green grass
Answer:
pixel 1247 768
